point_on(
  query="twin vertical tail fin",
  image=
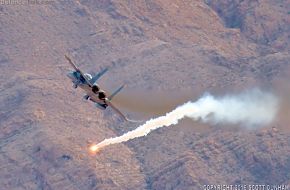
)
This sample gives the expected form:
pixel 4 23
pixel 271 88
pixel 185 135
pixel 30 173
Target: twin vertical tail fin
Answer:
pixel 97 76
pixel 115 92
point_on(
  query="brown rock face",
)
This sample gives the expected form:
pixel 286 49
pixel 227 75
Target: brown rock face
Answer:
pixel 264 22
pixel 160 49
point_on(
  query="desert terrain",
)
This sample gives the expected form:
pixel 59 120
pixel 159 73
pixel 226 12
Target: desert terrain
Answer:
pixel 166 52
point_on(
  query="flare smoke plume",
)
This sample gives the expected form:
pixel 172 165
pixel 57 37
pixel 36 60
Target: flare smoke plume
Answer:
pixel 251 109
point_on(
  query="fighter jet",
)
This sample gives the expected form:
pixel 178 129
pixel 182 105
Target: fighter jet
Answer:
pixel 93 92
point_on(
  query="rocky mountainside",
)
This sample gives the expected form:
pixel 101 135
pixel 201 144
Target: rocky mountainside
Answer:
pixel 157 47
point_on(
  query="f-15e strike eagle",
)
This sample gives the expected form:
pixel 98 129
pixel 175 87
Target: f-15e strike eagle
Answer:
pixel 93 92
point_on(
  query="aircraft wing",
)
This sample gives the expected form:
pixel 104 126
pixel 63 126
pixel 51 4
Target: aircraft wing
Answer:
pixel 71 63
pixel 119 112
pixel 77 69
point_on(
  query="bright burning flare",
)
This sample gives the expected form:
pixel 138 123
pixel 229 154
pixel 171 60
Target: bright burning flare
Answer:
pixel 252 109
pixel 94 148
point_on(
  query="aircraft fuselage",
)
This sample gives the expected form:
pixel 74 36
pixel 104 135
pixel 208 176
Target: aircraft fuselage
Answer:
pixel 95 97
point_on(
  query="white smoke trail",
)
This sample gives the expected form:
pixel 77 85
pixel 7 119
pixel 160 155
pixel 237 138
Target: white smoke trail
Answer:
pixel 251 109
